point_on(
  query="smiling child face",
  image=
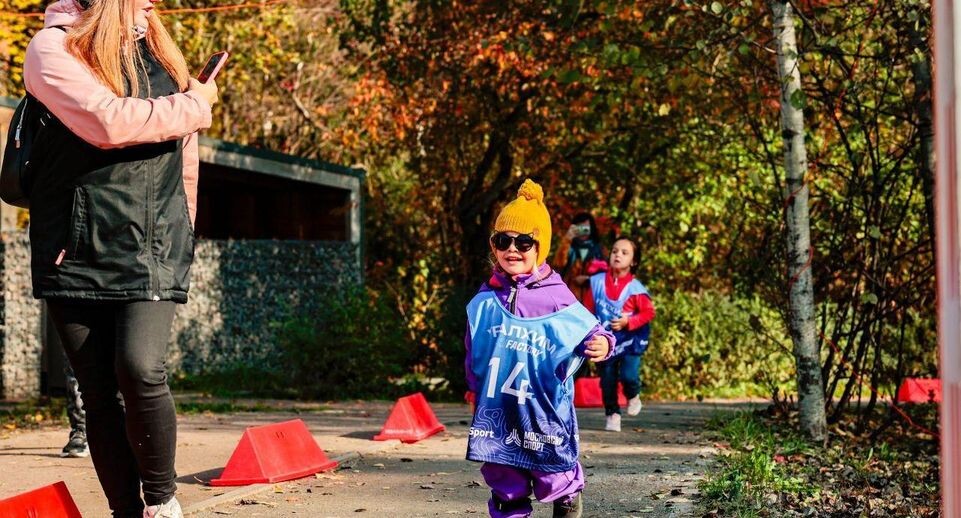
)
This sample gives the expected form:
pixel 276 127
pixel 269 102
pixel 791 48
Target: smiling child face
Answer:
pixel 513 261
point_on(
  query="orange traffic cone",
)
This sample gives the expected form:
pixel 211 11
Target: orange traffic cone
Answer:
pixel 920 390
pixel 411 420
pixel 274 453
pixel 587 393
pixel 53 501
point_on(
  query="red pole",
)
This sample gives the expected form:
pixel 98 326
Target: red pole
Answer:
pixel 947 31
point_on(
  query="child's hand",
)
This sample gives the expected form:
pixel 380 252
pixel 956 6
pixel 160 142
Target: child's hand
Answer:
pixel 469 398
pixel 619 323
pixel 597 348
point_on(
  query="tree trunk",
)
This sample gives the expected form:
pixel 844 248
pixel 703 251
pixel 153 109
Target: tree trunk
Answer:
pixel 477 201
pixel 921 77
pixel 799 252
pixel 475 210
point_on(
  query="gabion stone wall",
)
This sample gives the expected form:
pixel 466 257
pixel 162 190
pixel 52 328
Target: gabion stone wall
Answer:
pixel 20 331
pixel 239 290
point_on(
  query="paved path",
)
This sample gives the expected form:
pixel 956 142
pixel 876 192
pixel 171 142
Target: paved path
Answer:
pixel 649 469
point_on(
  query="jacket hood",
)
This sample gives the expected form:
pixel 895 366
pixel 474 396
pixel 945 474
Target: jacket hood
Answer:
pixel 61 13
pixel 64 13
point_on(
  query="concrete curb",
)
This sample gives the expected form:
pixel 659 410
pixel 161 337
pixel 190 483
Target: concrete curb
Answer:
pixel 246 491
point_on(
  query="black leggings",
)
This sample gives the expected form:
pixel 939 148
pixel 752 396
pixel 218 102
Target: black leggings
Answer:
pixel 118 351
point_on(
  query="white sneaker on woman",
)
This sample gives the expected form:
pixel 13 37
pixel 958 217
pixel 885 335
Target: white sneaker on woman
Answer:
pixel 634 405
pixel 613 423
pixel 169 509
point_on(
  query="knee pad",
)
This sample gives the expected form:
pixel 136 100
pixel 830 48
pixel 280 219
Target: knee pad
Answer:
pixel 505 506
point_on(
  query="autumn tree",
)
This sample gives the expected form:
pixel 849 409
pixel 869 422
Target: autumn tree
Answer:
pixel 862 66
pixel 15 33
pixel 798 228
pixel 660 117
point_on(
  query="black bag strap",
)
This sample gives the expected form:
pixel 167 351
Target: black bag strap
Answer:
pixel 45 115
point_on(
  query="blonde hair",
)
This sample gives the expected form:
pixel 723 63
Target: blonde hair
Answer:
pixel 102 38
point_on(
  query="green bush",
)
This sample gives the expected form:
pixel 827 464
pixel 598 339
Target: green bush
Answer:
pixel 356 346
pixel 236 380
pixel 712 345
pixel 449 327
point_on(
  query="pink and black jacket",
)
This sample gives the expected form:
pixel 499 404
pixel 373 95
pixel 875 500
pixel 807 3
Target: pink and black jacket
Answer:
pixel 114 194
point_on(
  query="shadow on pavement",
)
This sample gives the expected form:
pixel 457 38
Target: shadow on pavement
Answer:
pixel 201 477
pixel 361 434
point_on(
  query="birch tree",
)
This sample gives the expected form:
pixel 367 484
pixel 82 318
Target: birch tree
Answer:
pixel 797 223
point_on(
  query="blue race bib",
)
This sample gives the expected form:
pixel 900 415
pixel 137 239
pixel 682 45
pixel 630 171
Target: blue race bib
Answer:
pixel 629 342
pixel 524 413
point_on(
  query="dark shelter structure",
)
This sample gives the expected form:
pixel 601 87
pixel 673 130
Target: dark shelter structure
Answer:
pixel 274 233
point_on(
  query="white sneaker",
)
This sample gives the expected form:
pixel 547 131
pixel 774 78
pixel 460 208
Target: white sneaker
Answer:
pixel 634 405
pixel 170 509
pixel 613 423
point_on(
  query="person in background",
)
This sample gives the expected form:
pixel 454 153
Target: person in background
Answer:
pixel 624 306
pixel 77 442
pixel 578 254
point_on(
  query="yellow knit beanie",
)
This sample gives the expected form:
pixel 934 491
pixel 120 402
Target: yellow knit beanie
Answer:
pixel 528 215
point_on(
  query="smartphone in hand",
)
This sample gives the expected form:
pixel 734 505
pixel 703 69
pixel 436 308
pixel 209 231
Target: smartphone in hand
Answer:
pixel 214 63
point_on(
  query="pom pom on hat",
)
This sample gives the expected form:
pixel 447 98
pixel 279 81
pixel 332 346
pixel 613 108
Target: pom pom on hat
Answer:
pixel 527 214
pixel 531 191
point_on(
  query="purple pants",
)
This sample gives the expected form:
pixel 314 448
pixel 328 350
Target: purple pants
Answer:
pixel 510 483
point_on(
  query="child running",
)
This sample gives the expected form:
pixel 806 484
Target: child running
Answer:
pixel 526 336
pixel 621 302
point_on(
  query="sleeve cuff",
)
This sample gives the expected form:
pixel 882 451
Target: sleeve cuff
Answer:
pixel 206 109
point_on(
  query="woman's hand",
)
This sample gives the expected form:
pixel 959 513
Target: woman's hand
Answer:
pixel 619 323
pixel 597 348
pixel 208 91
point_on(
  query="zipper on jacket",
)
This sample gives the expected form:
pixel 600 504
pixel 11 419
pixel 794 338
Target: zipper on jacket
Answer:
pixel 152 262
pixel 512 299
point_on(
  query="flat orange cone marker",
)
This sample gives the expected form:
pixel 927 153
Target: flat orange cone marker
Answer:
pixel 274 453
pixel 411 420
pixel 53 501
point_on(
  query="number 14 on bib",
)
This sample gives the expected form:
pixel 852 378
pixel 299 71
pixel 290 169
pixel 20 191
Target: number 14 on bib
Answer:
pixel 507 387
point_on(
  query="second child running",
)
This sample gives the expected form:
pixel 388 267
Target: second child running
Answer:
pixel 624 305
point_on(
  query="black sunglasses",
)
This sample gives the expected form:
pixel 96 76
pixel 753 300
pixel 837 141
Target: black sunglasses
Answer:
pixel 522 242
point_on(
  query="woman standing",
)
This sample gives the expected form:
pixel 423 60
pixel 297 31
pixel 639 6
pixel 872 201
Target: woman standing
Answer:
pixel 111 232
pixel 579 248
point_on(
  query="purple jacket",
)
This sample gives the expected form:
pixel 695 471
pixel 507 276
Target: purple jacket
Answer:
pixel 527 297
